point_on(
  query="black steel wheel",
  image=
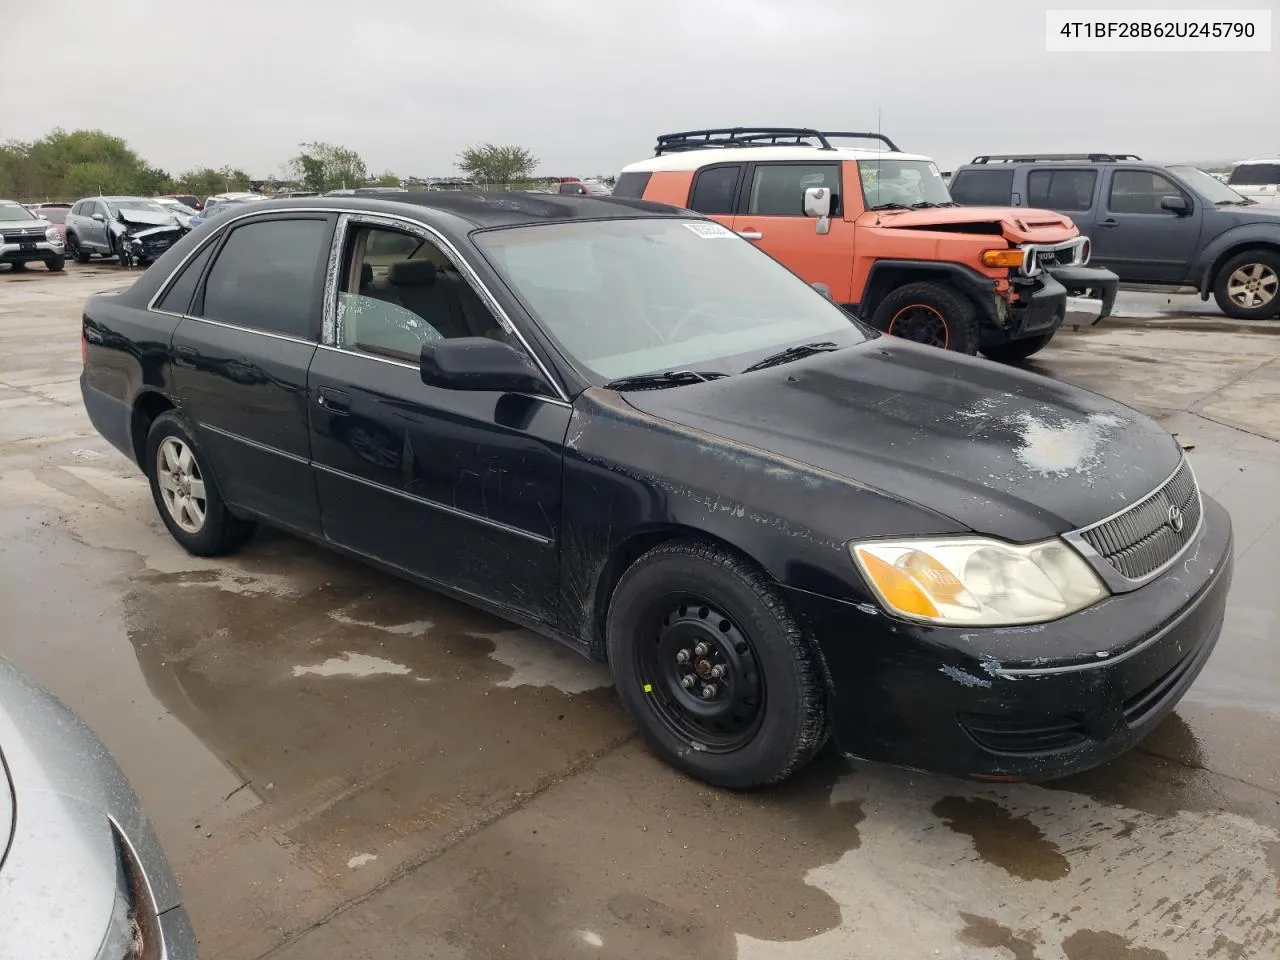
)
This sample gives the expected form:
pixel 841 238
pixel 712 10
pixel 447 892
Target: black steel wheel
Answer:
pixel 929 313
pixel 716 671
pixel 703 676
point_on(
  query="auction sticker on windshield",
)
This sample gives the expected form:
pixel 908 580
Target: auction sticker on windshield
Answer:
pixel 709 231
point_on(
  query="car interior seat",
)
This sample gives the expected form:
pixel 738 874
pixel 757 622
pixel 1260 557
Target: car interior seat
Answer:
pixel 415 283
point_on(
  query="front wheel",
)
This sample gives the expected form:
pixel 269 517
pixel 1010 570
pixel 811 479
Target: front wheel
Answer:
pixel 1248 286
pixel 714 668
pixel 930 313
pixel 54 264
pixel 1015 351
pixel 186 494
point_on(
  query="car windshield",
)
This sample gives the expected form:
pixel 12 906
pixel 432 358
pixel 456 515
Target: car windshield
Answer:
pixel 1255 174
pixel 1209 188
pixel 902 183
pixel 138 206
pixel 626 297
pixel 15 211
pixel 54 214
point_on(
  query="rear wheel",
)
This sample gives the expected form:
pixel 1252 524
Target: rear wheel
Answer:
pixel 713 667
pixel 1248 286
pixel 186 494
pixel 929 313
pixel 1016 351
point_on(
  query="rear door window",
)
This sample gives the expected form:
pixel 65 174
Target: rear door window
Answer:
pixel 777 189
pixel 982 187
pixel 269 276
pixel 715 189
pixel 177 299
pixel 1139 191
pixel 1061 189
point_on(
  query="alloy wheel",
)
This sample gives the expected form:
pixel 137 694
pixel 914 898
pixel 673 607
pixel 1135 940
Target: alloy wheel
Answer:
pixel 1253 285
pixel 181 484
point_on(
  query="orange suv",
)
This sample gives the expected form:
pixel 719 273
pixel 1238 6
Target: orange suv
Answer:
pixel 878 231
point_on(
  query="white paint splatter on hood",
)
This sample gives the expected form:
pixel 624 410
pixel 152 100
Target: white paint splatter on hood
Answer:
pixel 1063 448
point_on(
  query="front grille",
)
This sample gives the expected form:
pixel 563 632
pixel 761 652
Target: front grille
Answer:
pixel 1145 537
pixel 1139 708
pixel 1023 736
pixel 23 236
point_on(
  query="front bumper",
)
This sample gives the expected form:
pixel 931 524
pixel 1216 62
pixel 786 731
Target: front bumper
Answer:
pixel 1090 290
pixel 1029 703
pixel 30 252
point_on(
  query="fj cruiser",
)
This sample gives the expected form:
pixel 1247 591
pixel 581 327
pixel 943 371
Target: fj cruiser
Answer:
pixel 879 232
pixel 1168 224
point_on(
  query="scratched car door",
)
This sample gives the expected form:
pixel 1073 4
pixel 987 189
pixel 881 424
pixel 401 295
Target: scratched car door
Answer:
pixel 460 487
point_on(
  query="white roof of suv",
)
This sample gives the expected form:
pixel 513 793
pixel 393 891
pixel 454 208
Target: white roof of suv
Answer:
pixel 695 159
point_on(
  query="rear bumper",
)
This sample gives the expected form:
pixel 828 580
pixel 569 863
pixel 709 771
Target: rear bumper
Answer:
pixel 110 417
pixel 996 703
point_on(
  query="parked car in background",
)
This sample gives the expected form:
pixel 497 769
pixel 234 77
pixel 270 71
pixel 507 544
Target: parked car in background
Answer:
pixel 1257 179
pixel 877 228
pixel 55 213
pixel 180 210
pixel 233 195
pixel 583 188
pixel 26 237
pixel 82 875
pixel 215 209
pixel 1151 223
pixel 190 199
pixel 133 230
pixel 958 588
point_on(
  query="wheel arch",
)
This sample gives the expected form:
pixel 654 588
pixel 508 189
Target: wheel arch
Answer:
pixel 1218 258
pixel 627 551
pixel 147 405
pixel 887 275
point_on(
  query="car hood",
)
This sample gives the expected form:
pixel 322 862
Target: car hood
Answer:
pixel 1003 452
pixel 51 755
pixel 146 218
pixel 1020 224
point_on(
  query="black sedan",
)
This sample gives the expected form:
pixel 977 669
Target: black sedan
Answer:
pixel 626 428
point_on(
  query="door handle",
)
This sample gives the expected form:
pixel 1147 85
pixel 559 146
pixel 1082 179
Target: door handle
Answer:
pixel 751 234
pixel 1109 222
pixel 335 401
pixel 184 356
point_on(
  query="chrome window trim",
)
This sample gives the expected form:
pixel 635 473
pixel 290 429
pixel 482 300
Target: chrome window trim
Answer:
pixel 1116 581
pixel 430 235
pixel 243 329
pixel 414 367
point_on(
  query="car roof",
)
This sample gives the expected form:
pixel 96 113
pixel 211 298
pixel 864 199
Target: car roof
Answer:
pixel 489 209
pixel 696 159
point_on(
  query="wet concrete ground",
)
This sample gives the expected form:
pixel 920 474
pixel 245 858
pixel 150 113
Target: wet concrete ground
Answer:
pixel 342 765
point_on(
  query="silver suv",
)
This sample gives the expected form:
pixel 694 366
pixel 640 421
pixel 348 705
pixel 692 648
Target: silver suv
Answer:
pixel 25 237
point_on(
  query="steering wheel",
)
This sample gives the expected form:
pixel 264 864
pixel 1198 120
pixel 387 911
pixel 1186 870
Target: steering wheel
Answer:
pixel 694 313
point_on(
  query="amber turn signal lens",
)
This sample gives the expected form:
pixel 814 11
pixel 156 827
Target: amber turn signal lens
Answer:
pixel 1002 258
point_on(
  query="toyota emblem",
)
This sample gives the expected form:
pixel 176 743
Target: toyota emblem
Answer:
pixel 1175 518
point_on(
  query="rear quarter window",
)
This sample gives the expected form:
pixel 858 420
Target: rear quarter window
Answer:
pixel 631 185
pixel 982 187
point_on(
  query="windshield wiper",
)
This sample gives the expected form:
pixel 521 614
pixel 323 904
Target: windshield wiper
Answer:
pixel 793 353
pixel 890 206
pixel 656 381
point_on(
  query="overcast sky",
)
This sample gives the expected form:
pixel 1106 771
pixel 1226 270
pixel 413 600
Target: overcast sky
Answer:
pixel 587 85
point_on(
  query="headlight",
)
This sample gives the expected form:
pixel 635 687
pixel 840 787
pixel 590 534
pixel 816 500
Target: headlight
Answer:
pixel 52 235
pixel 978 582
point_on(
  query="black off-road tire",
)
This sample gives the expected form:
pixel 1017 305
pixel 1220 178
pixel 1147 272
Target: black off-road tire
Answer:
pixel 686 579
pixel 931 313
pixel 220 532
pixel 79 253
pixel 1262 261
pixel 55 264
pixel 1015 351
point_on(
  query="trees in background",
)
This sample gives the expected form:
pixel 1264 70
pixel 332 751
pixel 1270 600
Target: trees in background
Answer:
pixel 488 163
pixel 325 166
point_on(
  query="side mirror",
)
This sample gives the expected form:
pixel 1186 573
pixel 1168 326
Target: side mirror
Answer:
pixel 817 203
pixel 478 363
pixel 1177 205
pixel 99 218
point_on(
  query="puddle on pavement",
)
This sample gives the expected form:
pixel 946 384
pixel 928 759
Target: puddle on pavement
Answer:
pixel 985 932
pixel 1000 838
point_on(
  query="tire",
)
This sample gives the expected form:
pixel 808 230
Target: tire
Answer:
pixel 18 267
pixel 216 531
pixel 121 251
pixel 1247 286
pixel 1015 351
pixel 78 252
pixel 55 264
pixel 686 593
pixel 930 313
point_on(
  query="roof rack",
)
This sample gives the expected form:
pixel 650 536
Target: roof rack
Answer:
pixel 759 137
pixel 1034 157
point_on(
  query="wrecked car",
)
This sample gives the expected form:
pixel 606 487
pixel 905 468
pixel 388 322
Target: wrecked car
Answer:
pixel 878 229
pixel 623 426
pixel 132 230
